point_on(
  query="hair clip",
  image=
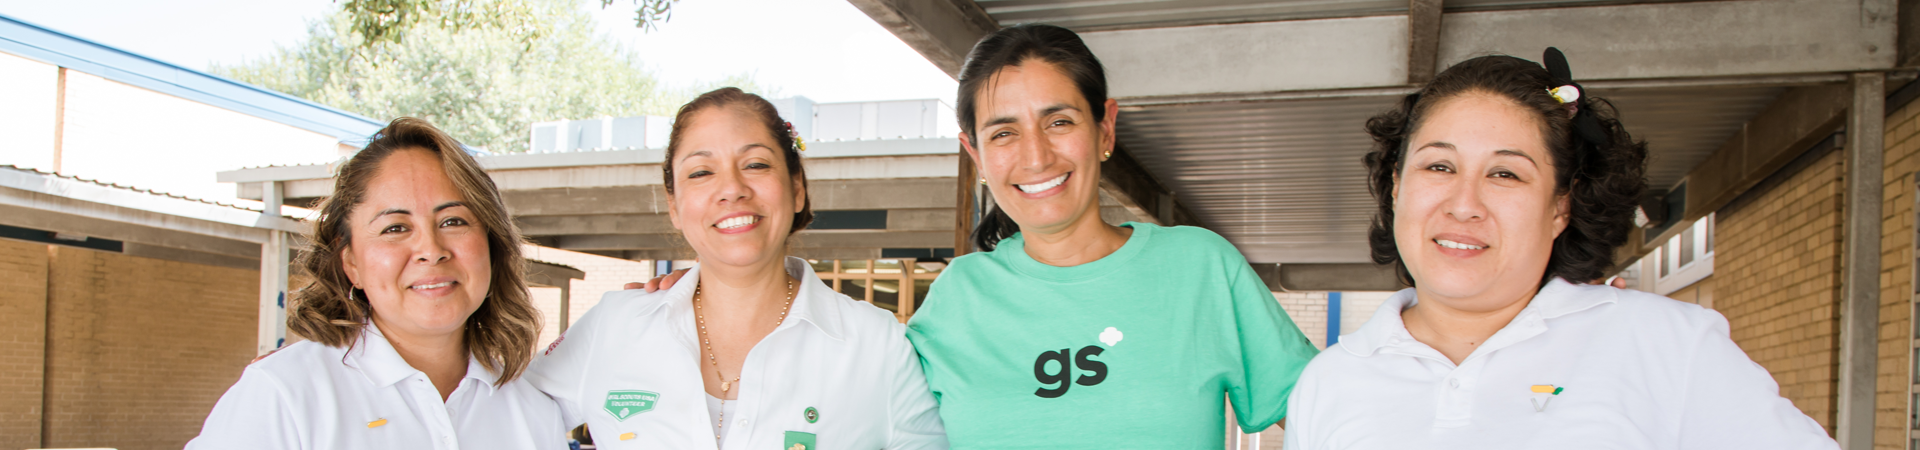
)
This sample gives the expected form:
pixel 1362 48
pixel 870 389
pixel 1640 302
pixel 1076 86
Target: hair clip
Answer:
pixel 1565 94
pixel 798 144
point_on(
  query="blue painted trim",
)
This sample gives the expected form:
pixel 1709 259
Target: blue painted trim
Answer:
pixel 1333 318
pixel 52 47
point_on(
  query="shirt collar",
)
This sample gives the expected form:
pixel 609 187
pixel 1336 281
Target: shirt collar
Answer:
pixel 480 374
pixel 1558 298
pixel 1384 328
pixel 376 359
pixel 813 301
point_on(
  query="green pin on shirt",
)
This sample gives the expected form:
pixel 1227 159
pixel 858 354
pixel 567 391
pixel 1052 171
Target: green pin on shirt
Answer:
pixel 812 415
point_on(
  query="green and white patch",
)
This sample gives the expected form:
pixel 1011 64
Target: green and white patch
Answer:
pixel 624 404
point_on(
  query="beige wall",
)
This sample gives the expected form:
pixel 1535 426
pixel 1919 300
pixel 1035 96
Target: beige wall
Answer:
pixel 1777 270
pixel 136 350
pixel 1699 293
pixel 23 332
pixel 1896 278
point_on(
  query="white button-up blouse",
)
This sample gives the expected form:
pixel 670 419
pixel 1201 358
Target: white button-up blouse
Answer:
pixel 312 396
pixel 1581 367
pixel 837 372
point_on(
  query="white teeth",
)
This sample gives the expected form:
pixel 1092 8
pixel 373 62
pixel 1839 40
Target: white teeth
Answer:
pixel 1042 187
pixel 434 286
pixel 737 222
pixel 1457 245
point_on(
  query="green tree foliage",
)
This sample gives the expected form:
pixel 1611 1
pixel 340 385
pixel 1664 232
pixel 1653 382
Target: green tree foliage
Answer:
pixel 389 20
pixel 484 85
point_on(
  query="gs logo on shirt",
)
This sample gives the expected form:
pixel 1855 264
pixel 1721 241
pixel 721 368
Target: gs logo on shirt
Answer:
pixel 1082 360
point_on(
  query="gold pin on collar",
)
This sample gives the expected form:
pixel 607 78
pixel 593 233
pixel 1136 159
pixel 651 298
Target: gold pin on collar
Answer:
pixel 376 423
pixel 626 436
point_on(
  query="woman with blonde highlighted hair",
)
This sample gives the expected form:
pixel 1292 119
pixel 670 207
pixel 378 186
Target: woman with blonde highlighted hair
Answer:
pixel 418 319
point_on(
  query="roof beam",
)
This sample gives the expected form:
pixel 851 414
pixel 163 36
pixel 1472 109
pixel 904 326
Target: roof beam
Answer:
pixel 941 30
pixel 1329 277
pixel 917 219
pixel 1687 39
pixel 805 239
pixel 1623 42
pixel 165 231
pixel 59 49
pixel 1124 179
pixel 1423 40
pixel 541 273
pixel 1909 26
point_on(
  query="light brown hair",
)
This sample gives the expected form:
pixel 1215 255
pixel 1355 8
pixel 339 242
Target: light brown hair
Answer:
pixel 330 311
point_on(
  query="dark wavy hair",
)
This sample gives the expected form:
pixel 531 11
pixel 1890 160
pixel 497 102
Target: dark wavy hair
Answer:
pixel 1012 46
pixel 769 117
pixel 331 311
pixel 1603 180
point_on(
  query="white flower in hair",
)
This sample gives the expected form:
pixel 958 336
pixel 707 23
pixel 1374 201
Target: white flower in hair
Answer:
pixel 1566 94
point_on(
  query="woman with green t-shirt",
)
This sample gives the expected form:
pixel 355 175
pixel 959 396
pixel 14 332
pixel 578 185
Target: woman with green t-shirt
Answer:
pixel 1068 332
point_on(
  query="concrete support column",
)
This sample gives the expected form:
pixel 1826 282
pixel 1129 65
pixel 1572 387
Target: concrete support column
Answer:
pixel 1860 274
pixel 273 274
pixel 566 304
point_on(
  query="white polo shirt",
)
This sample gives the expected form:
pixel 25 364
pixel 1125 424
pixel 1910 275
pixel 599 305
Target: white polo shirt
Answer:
pixel 312 396
pixel 1615 369
pixel 837 371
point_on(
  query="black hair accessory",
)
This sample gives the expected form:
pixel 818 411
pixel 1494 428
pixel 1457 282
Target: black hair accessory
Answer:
pixel 1585 125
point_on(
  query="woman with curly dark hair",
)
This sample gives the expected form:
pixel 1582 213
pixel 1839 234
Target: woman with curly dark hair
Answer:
pixel 1503 191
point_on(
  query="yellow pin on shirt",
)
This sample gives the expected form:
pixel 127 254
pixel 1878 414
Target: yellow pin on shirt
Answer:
pixel 1542 395
pixel 626 436
pixel 376 423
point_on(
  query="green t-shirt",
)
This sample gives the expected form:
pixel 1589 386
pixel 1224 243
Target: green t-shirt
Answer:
pixel 1134 350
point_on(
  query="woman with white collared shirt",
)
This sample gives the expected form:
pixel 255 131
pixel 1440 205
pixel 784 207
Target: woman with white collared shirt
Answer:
pixel 418 319
pixel 750 349
pixel 1502 189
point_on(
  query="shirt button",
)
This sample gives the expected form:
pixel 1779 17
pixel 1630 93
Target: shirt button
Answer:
pixel 1453 383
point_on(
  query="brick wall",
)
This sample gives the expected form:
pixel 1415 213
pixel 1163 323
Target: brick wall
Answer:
pixel 23 331
pixel 603 274
pixel 1896 278
pixel 141 348
pixel 1777 273
pixel 1309 312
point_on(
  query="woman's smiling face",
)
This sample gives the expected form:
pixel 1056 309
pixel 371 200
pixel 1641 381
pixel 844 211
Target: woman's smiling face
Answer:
pixel 1475 205
pixel 1038 144
pixel 416 249
pixel 733 197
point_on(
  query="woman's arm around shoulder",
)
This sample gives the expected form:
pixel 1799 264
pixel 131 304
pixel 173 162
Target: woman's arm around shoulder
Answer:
pixel 913 414
pixel 560 370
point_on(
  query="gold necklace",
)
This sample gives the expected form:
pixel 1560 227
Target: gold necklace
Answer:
pixel 712 357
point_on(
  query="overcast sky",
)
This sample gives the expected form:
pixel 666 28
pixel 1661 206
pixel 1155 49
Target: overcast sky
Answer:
pixel 823 49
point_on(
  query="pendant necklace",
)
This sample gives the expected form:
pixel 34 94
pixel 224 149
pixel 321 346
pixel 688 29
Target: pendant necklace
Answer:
pixel 712 357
